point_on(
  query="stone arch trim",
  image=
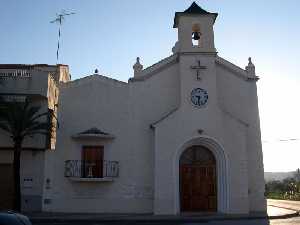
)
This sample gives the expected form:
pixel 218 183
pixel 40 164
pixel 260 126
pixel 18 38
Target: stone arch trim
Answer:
pixel 222 171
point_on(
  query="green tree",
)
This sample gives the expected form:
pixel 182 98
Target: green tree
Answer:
pixel 19 121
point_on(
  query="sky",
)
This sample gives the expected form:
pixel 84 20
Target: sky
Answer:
pixel 110 34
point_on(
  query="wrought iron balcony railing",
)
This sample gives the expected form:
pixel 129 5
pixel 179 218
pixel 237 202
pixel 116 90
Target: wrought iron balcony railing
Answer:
pixel 91 169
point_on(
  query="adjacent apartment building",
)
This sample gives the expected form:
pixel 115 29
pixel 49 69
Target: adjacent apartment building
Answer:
pixel 40 84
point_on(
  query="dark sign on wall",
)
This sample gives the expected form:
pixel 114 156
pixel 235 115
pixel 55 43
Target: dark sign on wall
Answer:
pixel 13 98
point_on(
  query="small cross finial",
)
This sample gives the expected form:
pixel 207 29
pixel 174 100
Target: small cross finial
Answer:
pixel 137 67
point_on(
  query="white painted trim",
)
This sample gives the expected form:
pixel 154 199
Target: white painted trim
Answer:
pixel 152 125
pixel 237 71
pixel 93 136
pixel 155 68
pixel 222 171
pixel 93 78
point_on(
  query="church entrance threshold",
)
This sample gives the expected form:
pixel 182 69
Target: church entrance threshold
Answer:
pixel 198 180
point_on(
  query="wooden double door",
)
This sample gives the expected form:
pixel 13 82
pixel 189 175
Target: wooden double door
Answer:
pixel 198 191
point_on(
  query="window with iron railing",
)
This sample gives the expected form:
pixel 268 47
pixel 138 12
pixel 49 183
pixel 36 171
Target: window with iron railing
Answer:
pixel 90 169
pixel 92 164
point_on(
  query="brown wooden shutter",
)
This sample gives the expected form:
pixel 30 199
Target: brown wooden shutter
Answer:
pixel 92 161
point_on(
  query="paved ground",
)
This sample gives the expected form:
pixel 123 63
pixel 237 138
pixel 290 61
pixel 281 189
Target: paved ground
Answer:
pixel 292 221
pixel 278 211
pixel 294 205
pixel 275 208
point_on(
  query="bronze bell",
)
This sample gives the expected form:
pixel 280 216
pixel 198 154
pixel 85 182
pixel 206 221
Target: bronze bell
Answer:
pixel 196 36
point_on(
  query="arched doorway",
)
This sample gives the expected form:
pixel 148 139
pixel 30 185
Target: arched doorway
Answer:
pixel 198 181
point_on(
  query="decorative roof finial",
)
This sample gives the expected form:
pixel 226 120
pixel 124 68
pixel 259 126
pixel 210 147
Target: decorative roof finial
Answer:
pixel 250 61
pixel 137 67
pixel 96 71
pixel 250 69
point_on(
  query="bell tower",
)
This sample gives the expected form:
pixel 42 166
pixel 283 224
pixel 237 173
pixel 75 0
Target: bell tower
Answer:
pixel 195 30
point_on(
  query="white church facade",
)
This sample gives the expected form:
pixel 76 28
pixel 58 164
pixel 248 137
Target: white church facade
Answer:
pixel 183 135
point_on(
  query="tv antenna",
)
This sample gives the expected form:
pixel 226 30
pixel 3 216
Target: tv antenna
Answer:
pixel 59 20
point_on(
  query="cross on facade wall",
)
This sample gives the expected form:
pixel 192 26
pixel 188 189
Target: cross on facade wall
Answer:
pixel 198 68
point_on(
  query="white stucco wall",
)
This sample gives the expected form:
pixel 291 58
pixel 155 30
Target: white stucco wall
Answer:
pixel 126 111
pixel 181 126
pixel 239 99
pixel 148 180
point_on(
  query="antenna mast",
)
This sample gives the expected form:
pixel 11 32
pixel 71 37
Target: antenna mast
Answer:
pixel 58 20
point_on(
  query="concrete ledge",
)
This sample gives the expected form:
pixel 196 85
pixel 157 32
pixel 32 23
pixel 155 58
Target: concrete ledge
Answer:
pixel 81 179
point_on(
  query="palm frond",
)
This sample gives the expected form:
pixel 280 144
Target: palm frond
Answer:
pixel 5 127
pixel 32 111
pixel 36 117
pixel 30 134
pixel 24 119
pixel 39 127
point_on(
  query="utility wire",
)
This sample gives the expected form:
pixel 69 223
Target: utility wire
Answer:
pixel 281 140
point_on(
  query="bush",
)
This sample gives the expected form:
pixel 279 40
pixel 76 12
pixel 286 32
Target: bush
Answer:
pixel 288 189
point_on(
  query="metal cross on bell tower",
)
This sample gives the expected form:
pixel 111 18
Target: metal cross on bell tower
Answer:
pixel 198 68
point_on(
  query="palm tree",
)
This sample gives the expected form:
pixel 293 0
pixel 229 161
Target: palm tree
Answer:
pixel 21 120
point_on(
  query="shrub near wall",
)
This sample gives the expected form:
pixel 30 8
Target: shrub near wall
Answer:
pixel 288 189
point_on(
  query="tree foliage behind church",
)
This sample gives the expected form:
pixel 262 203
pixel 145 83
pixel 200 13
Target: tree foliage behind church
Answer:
pixel 288 188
